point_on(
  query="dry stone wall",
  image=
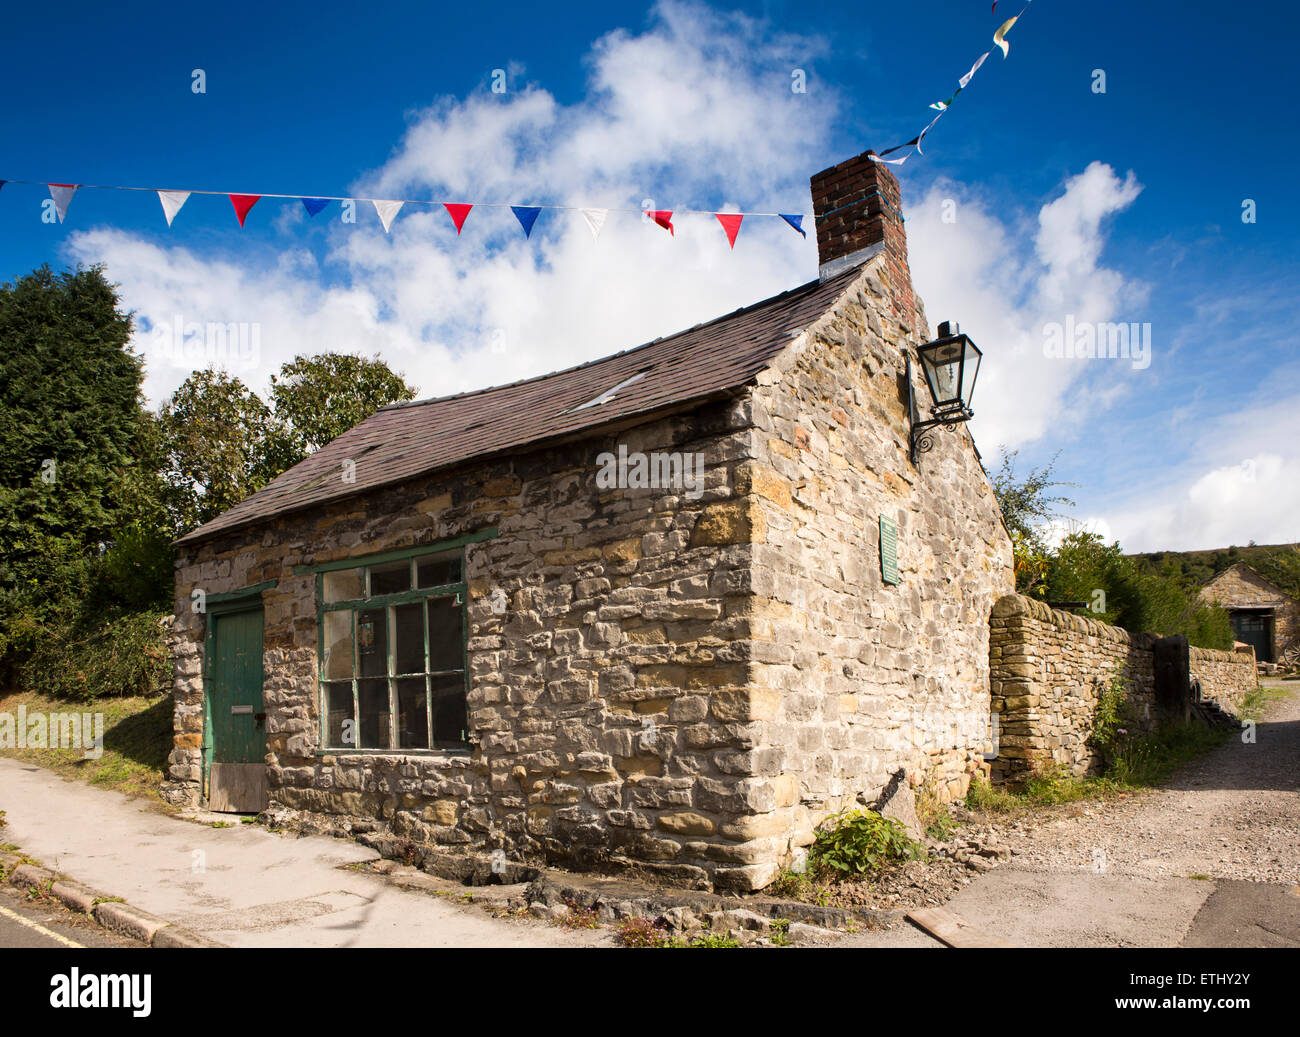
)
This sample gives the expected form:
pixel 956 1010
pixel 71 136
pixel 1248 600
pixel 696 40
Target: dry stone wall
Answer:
pixel 1049 668
pixel 1226 677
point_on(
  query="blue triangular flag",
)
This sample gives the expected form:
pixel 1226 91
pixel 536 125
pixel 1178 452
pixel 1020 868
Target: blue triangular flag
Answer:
pixel 527 216
pixel 314 205
pixel 795 221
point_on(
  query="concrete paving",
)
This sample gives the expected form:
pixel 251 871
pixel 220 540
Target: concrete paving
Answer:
pixel 241 886
pixel 1247 914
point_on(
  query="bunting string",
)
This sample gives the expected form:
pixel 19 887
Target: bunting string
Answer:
pixel 386 209
pixel 1000 41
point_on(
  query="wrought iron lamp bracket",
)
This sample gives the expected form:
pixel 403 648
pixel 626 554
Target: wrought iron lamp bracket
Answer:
pixel 922 432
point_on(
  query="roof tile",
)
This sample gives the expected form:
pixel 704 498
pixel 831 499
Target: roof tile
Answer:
pixel 405 440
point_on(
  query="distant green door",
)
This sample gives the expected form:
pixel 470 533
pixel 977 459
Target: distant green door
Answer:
pixel 1254 629
pixel 236 716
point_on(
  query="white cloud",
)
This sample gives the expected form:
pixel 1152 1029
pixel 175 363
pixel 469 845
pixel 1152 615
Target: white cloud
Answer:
pixel 977 270
pixel 697 109
pixel 1243 485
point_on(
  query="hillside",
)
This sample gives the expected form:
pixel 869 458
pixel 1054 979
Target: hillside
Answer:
pixel 1278 563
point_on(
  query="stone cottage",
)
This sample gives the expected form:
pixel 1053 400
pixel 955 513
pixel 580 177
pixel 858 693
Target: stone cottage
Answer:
pixel 1262 614
pixel 636 613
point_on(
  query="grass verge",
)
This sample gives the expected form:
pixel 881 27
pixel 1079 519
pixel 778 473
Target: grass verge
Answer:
pixel 137 740
pixel 1137 763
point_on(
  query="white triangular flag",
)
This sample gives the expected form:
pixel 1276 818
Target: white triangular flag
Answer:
pixel 62 195
pixel 595 220
pixel 172 202
pixel 387 211
pixel 965 80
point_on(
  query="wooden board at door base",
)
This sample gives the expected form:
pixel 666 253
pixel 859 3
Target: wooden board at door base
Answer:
pixel 237 788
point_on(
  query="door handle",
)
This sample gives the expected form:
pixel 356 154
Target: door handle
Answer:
pixel 259 719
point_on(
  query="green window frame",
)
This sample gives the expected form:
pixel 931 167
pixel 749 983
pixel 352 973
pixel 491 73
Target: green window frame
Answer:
pixel 392 664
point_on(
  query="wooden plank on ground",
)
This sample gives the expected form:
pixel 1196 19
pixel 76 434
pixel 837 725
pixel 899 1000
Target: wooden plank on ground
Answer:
pixel 952 929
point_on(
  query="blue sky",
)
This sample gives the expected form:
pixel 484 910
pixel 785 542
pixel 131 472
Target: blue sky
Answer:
pixel 1121 206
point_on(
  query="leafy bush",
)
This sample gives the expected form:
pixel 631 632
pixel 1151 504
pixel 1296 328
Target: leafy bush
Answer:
pixel 123 654
pixel 857 842
pixel 1114 720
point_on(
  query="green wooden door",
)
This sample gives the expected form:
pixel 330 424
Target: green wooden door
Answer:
pixel 236 716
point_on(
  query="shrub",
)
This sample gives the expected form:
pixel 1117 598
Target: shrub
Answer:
pixel 124 654
pixel 860 841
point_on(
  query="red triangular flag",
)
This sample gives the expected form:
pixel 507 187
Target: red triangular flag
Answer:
pixel 242 203
pixel 731 224
pixel 663 217
pixel 457 212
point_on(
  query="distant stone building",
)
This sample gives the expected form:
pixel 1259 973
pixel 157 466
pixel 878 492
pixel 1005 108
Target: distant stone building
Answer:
pixel 1262 614
pixel 631 613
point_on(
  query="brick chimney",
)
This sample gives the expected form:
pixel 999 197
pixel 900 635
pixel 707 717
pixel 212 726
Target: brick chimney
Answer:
pixel 858 212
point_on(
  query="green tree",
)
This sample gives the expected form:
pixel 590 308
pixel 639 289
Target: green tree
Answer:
pixel 70 443
pixel 213 435
pixel 318 398
pixel 1139 597
pixel 1028 506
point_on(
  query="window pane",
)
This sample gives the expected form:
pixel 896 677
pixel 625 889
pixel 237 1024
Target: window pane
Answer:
pixel 338 711
pixel 338 645
pixel 372 642
pixel 408 638
pixel 372 698
pixel 390 578
pixel 412 714
pixel 437 570
pixel 446 649
pixel 344 585
pixel 449 718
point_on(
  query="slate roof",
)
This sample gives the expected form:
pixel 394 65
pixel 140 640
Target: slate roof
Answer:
pixel 405 440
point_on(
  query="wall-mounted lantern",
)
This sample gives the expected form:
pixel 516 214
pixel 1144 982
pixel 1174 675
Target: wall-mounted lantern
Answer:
pixel 950 364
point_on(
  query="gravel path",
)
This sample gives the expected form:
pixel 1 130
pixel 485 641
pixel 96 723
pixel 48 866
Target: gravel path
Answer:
pixel 1234 814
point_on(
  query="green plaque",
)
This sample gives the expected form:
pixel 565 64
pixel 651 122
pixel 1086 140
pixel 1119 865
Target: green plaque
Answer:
pixel 888 549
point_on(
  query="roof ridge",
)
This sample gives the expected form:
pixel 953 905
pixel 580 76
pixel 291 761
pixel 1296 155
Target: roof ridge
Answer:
pixel 402 404
pixel 694 364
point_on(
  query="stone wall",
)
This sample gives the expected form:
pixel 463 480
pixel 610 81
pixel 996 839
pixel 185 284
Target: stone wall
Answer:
pixel 1048 669
pixel 606 705
pixel 1226 677
pixel 858 678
